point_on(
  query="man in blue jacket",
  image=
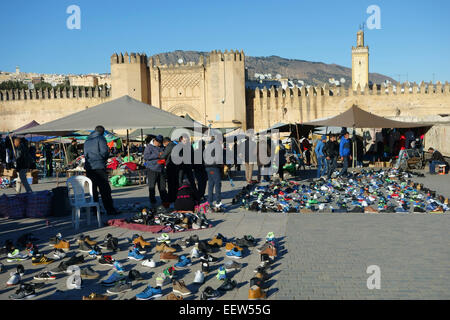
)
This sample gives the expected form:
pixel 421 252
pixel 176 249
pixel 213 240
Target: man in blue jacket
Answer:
pixel 96 155
pixel 321 161
pixel 344 152
pixel 155 174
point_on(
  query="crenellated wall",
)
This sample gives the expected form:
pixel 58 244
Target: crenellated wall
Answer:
pixel 19 107
pixel 269 106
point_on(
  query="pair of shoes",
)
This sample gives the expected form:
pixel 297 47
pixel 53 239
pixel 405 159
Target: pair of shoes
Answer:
pixel 149 263
pixel 180 288
pixel 209 294
pixel 135 255
pixel 26 291
pixel 183 263
pixel 167 256
pixel 163 247
pixel 110 243
pixel 235 253
pixel 149 293
pixel 42 259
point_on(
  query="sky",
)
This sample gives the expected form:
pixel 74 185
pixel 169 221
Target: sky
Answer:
pixel 413 41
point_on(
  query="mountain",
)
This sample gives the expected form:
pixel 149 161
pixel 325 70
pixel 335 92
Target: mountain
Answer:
pixel 312 73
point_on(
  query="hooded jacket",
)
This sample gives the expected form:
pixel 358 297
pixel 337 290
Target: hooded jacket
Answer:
pixel 96 152
pixel 151 157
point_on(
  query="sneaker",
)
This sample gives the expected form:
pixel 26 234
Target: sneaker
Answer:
pixel 26 291
pixel 235 254
pixel 215 242
pixel 231 265
pixel 138 247
pixel 255 293
pixel 221 274
pixel 95 296
pixel 230 246
pixel 163 238
pixel 58 254
pixel 271 251
pixel 167 256
pixel 256 282
pixel 61 268
pixel 169 272
pixel 89 273
pixel 227 285
pixel 16 256
pixel 163 247
pixel 199 277
pixel 262 275
pixel 14 279
pixel 84 246
pixel 203 246
pixel 118 266
pixel 149 263
pixel 135 255
pixel 244 243
pixel 134 275
pixel 195 253
pixel 95 253
pixel 112 279
pixel 140 240
pixel 183 263
pixel 205 267
pixel 88 240
pixel 75 260
pixel 209 294
pixel 119 287
pixel 106 260
pixel 270 237
pixel 44 275
pixel 63 245
pixel 54 240
pixel 149 293
pixel 172 296
pixel 265 245
pixel 180 288
pixel 191 240
pixel 209 258
pixel 41 260
pixel 162 280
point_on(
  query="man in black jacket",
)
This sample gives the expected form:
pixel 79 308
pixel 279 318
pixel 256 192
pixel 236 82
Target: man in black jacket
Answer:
pixel 436 159
pixel 171 169
pixel 155 173
pixel 331 152
pixel 23 163
pixel 96 155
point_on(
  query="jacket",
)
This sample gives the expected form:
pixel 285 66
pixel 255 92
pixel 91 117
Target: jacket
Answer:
pixel 96 152
pixel 23 157
pixel 319 148
pixel 344 147
pixel 331 149
pixel 437 156
pixel 167 153
pixel 151 157
pixel 186 199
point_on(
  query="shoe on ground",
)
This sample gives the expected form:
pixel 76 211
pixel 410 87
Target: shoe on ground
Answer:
pixel 271 251
pixel 63 245
pixel 173 296
pixel 221 274
pixel 44 275
pixel 119 287
pixel 88 273
pixel 35 261
pixel 231 265
pixel 255 293
pixel 95 296
pixel 83 246
pixel 235 253
pixel 209 294
pixel 167 256
pixel 106 260
pixel 149 293
pixel 195 253
pixel 209 258
pixel 14 279
pixel 135 255
pixel 162 280
pixel 26 291
pixel 205 267
pixel 230 246
pixel 199 277
pixel 216 242
pixel 163 247
pixel 149 263
pixel 163 238
pixel 180 288
pixel 140 240
pixel 112 279
pixel 58 254
pixel 227 285
pixel 15 255
pixel 134 275
pixel 118 266
pixel 183 263
pixel 88 240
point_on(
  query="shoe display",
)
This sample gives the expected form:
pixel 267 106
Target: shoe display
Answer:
pixel 44 275
pixel 26 291
pixel 199 277
pixel 149 293
pixel 149 263
pixel 89 273
pixel 95 296
pixel 209 294
pixel 180 288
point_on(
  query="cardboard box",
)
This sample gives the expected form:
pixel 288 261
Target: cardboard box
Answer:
pixel 12 173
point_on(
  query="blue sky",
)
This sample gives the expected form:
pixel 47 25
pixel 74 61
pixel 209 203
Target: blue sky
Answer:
pixel 413 39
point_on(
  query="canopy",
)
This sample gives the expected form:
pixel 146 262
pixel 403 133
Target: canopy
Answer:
pixel 299 130
pixel 358 118
pixel 121 113
pixel 30 137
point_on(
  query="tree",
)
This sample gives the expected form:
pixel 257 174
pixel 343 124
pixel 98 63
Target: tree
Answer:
pixel 12 85
pixel 43 85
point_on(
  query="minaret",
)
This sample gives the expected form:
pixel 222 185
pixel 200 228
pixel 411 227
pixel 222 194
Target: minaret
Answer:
pixel 360 62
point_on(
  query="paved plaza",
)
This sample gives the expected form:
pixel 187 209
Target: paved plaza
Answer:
pixel 321 255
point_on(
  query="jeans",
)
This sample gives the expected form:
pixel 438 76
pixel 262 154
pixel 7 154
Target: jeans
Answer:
pixel 433 165
pixel 321 166
pixel 172 182
pixel 156 178
pixel 345 166
pixel 248 171
pixel 331 166
pixel 100 180
pixel 22 180
pixel 214 182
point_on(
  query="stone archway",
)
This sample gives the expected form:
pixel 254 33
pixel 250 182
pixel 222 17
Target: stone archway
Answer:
pixel 183 109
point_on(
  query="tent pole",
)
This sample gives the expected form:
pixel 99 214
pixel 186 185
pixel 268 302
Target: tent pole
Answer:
pixel 128 145
pixel 142 138
pixel 354 148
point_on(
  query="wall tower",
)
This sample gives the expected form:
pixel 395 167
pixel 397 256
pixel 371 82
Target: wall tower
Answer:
pixel 360 63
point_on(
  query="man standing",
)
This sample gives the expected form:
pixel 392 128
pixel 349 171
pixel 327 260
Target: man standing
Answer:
pixel 321 161
pixel 96 155
pixel 199 169
pixel 72 151
pixel 171 169
pixel 344 151
pixel 186 166
pixel 212 166
pixel 435 160
pixel 23 163
pixel 331 153
pixel 155 173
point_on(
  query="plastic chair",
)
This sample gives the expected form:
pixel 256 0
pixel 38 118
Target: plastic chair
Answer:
pixel 80 200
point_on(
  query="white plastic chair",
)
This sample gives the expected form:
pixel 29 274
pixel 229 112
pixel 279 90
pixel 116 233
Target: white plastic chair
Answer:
pixel 80 200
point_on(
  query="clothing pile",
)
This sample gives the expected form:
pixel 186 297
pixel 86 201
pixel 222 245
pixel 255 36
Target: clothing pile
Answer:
pixel 176 220
pixel 368 191
pixel 5 182
pixel 118 163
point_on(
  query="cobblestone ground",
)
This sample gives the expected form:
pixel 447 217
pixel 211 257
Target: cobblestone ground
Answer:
pixel 321 256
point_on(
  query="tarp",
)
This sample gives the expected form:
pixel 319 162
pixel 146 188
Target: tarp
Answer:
pixel 358 118
pixel 121 113
pixel 295 129
pixel 31 137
